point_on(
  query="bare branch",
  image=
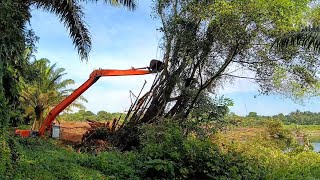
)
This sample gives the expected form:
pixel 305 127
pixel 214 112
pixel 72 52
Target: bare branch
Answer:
pixel 243 77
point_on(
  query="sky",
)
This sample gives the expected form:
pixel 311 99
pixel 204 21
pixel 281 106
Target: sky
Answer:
pixel 122 39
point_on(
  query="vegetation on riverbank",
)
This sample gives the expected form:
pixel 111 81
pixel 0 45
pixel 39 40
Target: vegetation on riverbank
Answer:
pixel 166 152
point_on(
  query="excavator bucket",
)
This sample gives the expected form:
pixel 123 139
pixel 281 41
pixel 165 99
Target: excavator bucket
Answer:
pixel 156 66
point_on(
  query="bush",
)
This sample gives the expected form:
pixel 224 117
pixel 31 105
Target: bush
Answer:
pixel 167 154
pixel 114 164
pixel 282 137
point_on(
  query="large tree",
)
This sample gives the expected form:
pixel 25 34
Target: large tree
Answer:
pixel 206 42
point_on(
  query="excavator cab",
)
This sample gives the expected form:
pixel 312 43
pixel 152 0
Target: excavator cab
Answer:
pixel 26 133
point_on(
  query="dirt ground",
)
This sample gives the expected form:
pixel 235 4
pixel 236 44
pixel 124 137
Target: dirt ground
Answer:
pixel 73 131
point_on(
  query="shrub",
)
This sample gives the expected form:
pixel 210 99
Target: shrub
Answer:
pixel 166 153
pixel 276 132
pixel 114 164
pixel 44 159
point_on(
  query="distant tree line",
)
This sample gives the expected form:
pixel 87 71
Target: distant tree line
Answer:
pixel 296 117
pixel 83 115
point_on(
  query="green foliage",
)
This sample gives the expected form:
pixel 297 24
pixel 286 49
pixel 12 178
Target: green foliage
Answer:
pixel 104 115
pixel 4 112
pixel 12 44
pixel 208 115
pixel 275 151
pixel 302 118
pixel 114 165
pixel 296 117
pixel 280 165
pixel 307 37
pixel 277 132
pixel 5 153
pixel 45 91
pixel 5 162
pixel 167 154
pixel 44 159
pixel 204 40
pixel 9 156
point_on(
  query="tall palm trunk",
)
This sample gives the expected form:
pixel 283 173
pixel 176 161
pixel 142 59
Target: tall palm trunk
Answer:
pixel 39 117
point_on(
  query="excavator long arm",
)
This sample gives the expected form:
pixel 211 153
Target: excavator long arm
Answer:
pixel 155 67
pixel 94 76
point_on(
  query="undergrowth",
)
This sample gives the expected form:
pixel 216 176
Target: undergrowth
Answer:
pixel 165 153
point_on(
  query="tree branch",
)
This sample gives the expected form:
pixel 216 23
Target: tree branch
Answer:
pixel 242 77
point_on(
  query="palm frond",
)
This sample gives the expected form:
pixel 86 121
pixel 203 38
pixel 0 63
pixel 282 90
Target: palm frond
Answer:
pixel 130 4
pixel 82 98
pixel 70 12
pixel 63 84
pixel 308 37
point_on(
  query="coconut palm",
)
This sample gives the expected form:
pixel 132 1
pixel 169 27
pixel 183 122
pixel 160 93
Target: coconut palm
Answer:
pixel 46 91
pixel 308 37
pixel 71 14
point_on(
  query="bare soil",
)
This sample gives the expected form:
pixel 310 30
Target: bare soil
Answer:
pixel 73 131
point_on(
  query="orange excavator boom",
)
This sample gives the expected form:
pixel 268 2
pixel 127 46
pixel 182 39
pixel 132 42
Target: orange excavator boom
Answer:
pixel 155 66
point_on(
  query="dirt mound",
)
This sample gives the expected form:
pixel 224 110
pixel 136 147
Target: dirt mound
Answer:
pixel 73 131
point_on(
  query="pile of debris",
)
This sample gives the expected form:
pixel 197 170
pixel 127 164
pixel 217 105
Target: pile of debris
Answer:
pixel 97 138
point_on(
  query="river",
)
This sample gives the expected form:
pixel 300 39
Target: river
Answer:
pixel 316 146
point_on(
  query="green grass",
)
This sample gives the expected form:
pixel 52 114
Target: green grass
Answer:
pixel 313 131
pixel 304 127
pixel 44 159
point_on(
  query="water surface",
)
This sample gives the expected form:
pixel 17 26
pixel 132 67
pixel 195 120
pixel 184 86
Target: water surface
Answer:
pixel 316 146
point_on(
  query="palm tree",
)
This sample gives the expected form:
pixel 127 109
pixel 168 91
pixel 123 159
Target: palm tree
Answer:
pixel 308 37
pixel 46 91
pixel 71 14
pixel 14 38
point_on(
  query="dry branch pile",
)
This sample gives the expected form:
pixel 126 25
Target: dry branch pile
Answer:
pixel 97 138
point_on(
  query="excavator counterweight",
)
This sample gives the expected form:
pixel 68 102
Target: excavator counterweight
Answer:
pixel 155 67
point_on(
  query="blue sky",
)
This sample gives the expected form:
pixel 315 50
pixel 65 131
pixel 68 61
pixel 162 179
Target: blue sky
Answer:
pixel 122 39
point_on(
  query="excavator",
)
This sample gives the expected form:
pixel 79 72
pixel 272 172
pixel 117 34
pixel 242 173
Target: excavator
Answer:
pixel 154 67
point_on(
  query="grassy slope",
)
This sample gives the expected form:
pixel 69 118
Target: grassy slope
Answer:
pixel 44 159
